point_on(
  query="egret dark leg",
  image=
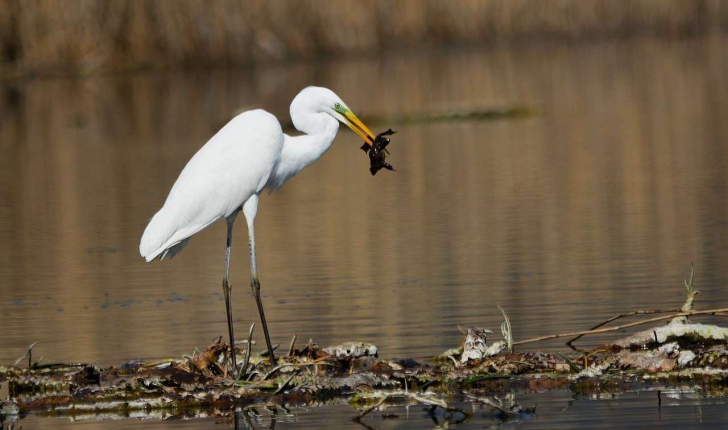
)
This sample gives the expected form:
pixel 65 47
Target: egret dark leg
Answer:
pixel 255 285
pixel 250 209
pixel 227 290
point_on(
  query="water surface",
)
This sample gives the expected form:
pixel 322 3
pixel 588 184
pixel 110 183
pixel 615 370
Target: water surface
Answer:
pixel 594 207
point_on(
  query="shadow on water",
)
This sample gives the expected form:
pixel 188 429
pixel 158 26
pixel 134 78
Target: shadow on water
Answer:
pixel 595 207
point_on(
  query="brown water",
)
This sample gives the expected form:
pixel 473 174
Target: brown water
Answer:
pixel 593 208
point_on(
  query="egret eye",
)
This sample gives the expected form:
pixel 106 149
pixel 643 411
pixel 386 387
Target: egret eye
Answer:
pixel 337 106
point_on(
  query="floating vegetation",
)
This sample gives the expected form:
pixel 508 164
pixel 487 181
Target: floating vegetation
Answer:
pixel 472 114
pixel 486 375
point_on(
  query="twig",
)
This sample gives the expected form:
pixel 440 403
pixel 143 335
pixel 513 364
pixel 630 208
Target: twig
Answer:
pixel 248 349
pixel 286 383
pixel 606 330
pixel 299 365
pixel 265 353
pixel 628 314
pixel 290 348
pixel 28 354
pixel 568 361
pixel 157 363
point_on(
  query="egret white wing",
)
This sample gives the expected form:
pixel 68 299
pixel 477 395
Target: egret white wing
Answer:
pixel 232 166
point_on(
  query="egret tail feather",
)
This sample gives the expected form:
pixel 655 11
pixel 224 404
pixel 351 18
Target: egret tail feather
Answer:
pixel 162 239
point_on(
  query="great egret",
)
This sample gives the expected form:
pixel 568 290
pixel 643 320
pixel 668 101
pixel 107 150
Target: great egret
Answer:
pixel 228 173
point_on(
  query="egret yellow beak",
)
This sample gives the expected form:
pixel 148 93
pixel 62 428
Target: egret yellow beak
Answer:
pixel 358 127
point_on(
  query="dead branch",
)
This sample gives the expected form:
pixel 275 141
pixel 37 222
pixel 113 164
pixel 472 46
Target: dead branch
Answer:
pixel 628 314
pixel 28 354
pixel 248 351
pixel 609 329
pixel 290 348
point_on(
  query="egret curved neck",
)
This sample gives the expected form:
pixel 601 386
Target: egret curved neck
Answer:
pixel 300 151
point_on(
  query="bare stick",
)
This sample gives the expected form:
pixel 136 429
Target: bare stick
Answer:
pixel 568 361
pixel 286 383
pixel 28 354
pixel 606 330
pixel 314 363
pixel 628 314
pixel 249 347
pixel 290 348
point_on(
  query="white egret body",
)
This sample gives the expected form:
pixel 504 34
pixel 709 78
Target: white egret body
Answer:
pixel 249 154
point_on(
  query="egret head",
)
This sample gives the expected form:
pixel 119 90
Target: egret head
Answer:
pixel 323 100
